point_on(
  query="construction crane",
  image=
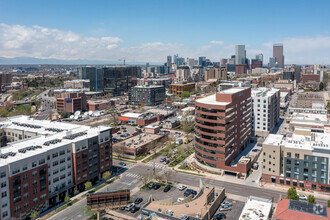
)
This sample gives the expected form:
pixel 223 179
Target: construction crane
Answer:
pixel 123 59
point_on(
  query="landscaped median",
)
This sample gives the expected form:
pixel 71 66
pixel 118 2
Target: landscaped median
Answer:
pixel 161 152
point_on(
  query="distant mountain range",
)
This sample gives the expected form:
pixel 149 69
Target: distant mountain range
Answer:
pixel 32 60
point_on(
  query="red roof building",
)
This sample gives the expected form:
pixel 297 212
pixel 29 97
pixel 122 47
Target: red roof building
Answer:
pixel 288 209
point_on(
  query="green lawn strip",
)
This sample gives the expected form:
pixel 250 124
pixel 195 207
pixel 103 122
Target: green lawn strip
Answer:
pixel 188 173
pixel 66 205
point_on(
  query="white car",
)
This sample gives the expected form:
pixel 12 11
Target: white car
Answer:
pixel 129 207
pixel 302 197
pixel 182 187
pixel 180 199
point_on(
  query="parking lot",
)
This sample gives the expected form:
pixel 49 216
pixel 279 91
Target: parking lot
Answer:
pixel 236 209
pixel 158 194
pixel 125 133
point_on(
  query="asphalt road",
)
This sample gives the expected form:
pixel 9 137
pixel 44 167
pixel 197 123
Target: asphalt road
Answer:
pixel 46 106
pixel 133 172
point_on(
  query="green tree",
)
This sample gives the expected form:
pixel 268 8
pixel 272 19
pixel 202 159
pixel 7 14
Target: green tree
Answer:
pixel 88 185
pixel 321 86
pixel 188 123
pixel 106 175
pixel 292 194
pixel 329 203
pixel 67 199
pixel 311 199
pixel 198 90
pixel 185 94
pixel 91 213
pixel 34 215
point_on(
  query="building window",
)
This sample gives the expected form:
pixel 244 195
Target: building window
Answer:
pixel 25 186
pixel 26 195
pixel 35 200
pixel 296 156
pixel 3 194
pixel 55 155
pixel 42 161
pixel 288 154
pixel 34 164
pixel 34 173
pixel 3 184
pixel 24 167
pixel 3 174
pixel 62 152
pixel 288 182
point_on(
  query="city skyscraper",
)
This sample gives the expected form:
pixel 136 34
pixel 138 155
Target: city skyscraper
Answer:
pixel 169 60
pixel 175 57
pixel 240 54
pixel 202 61
pixel 272 61
pixel 260 57
pixel 278 54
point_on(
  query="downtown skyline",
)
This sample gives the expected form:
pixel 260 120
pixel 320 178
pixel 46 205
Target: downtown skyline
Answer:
pixel 146 31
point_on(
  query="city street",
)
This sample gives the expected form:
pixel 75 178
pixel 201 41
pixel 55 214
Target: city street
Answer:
pixel 131 178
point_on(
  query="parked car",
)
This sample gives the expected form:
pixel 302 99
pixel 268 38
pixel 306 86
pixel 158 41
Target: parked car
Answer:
pixel 122 208
pixel 138 200
pixel 189 192
pixel 227 203
pixel 122 163
pixel 302 197
pixel 129 206
pixel 182 187
pixel 167 188
pixel 225 208
pixel 151 185
pixel 157 186
pixel 162 159
pixel 219 216
pixel 180 199
pixel 134 209
pixel 178 141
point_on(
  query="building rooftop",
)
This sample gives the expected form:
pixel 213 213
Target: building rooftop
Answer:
pixel 232 90
pixel 263 92
pixel 132 115
pixel 149 86
pixel 292 209
pixel 256 208
pixel 307 118
pixel 314 141
pixel 50 135
pixel 188 208
pixel 211 100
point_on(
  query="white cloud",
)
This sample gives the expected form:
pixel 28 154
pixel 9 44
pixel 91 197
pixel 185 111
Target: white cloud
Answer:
pixel 216 42
pixel 42 42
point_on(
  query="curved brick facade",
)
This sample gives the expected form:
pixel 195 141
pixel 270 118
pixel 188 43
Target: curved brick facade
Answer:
pixel 222 128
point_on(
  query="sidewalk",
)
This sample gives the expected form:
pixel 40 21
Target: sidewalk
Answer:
pixel 251 180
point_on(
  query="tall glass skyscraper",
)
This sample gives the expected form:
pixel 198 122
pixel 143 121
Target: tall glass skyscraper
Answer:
pixel 278 54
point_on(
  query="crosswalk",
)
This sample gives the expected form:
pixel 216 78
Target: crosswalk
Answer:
pixel 157 165
pixel 134 175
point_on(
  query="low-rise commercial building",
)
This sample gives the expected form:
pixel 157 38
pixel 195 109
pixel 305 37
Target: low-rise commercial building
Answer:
pixel 256 208
pixel 38 172
pixel 284 84
pixel 140 119
pixel 99 105
pixel 202 206
pixel 266 110
pixel 300 160
pixel 139 144
pixel 146 95
pixel 315 122
pixel 288 209
pixel 177 89
pixel 307 100
pixel 310 77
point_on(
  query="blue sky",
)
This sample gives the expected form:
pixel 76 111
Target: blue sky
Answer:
pixel 148 30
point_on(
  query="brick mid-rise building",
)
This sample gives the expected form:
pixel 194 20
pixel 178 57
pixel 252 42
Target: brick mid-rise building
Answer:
pixel 223 128
pixel 50 161
pixel 71 102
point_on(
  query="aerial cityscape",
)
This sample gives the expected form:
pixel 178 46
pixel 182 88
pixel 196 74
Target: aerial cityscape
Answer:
pixel 164 110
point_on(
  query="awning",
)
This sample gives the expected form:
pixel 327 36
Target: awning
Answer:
pixel 294 181
pixel 281 178
pixel 123 119
pixel 301 181
pixel 273 177
pixel 288 180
